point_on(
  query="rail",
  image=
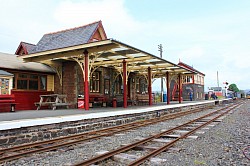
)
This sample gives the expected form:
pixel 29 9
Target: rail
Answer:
pixel 141 160
pixel 16 152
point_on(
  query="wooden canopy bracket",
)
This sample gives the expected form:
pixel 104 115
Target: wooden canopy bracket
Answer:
pixel 80 60
pixel 120 71
pixel 57 66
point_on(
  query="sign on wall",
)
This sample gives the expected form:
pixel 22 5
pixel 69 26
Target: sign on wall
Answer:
pixel 4 86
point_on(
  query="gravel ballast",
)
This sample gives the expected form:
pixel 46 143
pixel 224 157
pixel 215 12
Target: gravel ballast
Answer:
pixel 221 145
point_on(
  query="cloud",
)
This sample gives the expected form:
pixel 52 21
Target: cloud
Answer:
pixel 206 42
pixel 193 52
pixel 210 42
pixel 113 13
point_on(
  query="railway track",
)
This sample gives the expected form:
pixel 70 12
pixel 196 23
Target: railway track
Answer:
pixel 15 152
pixel 168 139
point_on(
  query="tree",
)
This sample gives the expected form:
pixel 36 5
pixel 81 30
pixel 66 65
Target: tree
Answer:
pixel 233 87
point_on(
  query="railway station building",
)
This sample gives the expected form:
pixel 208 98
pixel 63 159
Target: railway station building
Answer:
pixel 83 62
pixel 27 81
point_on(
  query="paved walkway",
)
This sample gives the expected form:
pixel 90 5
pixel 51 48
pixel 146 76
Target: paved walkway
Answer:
pixel 31 114
pixel 27 118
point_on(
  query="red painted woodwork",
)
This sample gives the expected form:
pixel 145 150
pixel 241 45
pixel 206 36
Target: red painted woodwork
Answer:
pixel 97 97
pixel 124 65
pixel 168 88
pixel 86 79
pixel 5 102
pixel 97 34
pixel 149 86
pixel 180 88
pixel 174 92
pixel 25 99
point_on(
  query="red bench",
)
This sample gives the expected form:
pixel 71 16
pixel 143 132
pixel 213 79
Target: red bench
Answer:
pixel 8 100
pixel 97 99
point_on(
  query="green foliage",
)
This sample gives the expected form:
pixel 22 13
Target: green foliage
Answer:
pixel 233 87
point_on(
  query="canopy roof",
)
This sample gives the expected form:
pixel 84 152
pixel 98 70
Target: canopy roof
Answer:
pixel 5 73
pixel 10 61
pixel 111 53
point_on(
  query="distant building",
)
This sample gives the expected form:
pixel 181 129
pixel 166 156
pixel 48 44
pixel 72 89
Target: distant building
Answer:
pixel 217 90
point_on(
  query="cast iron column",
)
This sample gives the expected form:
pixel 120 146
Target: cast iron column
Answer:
pixel 86 79
pixel 149 86
pixel 180 89
pixel 168 89
pixel 124 65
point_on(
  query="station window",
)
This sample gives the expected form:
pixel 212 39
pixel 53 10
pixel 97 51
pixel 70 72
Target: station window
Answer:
pixel 23 81
pixel 118 85
pixel 187 79
pixel 141 85
pixel 95 82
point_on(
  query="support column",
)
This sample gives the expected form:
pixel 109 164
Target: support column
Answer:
pixel 86 79
pixel 124 65
pixel 168 88
pixel 149 87
pixel 180 88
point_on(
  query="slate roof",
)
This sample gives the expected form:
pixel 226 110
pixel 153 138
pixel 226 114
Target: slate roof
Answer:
pixel 28 46
pixel 66 38
pixel 5 73
pixel 9 61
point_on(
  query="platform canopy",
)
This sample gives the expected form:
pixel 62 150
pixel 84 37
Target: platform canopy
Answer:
pixel 111 53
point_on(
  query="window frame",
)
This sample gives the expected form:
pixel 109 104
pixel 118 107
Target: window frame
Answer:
pixel 95 82
pixel 17 77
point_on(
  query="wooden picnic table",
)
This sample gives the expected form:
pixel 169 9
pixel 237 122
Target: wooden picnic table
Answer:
pixel 52 101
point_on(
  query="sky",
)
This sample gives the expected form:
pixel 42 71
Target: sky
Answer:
pixel 212 36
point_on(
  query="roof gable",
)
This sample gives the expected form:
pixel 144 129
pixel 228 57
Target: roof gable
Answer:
pixel 190 68
pixel 70 37
pixel 24 48
pixel 99 34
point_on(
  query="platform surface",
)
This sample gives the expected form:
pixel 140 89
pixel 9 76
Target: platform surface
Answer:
pixel 26 118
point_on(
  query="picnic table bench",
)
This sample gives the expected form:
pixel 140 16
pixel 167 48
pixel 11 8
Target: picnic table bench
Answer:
pixel 52 101
pixel 8 100
pixel 142 99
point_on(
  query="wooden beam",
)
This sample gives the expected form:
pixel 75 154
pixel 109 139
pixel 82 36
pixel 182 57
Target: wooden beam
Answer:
pixel 120 61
